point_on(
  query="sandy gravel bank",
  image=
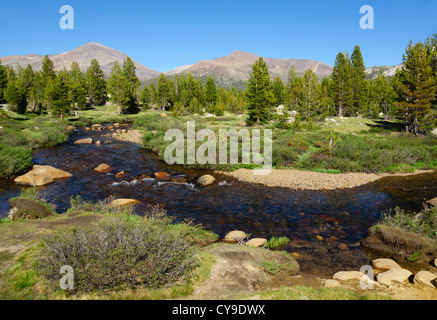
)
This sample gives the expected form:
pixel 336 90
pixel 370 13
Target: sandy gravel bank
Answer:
pixel 308 180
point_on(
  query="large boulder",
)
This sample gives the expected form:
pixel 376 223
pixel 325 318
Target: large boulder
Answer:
pixel 41 175
pixel 23 208
pixel 205 180
pixel 434 132
pixel 51 172
pixel 33 180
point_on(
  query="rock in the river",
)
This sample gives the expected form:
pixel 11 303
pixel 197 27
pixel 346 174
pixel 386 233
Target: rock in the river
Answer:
pixel 51 172
pixel 383 264
pixel 104 168
pixel 162 176
pixel 41 175
pixel 393 276
pixel 179 180
pixel 84 141
pixel 343 247
pixel 206 180
pixel 433 202
pixel 426 278
pixel 120 174
pixel 123 202
pixel 23 208
pixel 235 236
pixel 256 242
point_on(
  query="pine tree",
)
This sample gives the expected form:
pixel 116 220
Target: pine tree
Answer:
pixel 95 84
pixel 259 95
pixel 163 92
pixel 211 95
pixel 118 87
pixel 310 94
pixel 61 94
pixel 3 82
pixel 326 102
pixel 48 69
pixel 358 81
pixel 294 86
pixel 278 90
pixel 342 83
pixel 416 87
pixel 16 93
pixel 78 87
pixel 145 97
pixel 152 96
pixel 133 85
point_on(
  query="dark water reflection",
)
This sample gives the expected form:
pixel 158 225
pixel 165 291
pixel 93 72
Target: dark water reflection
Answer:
pixel 343 216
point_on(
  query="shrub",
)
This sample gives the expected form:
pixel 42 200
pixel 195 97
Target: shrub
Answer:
pixel 116 254
pixel 276 243
pixel 14 160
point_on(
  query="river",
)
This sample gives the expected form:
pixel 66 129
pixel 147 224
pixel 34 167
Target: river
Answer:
pixel 339 216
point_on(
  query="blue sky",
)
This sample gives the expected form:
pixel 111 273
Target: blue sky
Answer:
pixel 163 35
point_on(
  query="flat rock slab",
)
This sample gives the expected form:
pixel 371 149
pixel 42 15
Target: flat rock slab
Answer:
pixel 123 202
pixel 393 276
pixel 349 275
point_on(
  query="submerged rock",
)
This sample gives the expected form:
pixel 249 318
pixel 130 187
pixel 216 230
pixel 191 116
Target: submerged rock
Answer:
pixel 162 176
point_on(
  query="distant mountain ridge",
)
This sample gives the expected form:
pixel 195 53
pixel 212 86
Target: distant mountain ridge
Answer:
pixel 83 55
pixel 231 70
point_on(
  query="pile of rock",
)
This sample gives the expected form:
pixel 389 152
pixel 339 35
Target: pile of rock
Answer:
pixel 386 274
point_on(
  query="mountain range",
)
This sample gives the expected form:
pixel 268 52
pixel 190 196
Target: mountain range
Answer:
pixel 233 69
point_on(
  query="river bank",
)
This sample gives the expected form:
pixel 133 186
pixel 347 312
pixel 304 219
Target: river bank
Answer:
pixel 311 180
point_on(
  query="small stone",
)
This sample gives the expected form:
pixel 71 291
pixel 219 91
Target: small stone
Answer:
pixel 256 242
pixel 120 174
pixel 319 238
pixel 98 143
pixel 426 278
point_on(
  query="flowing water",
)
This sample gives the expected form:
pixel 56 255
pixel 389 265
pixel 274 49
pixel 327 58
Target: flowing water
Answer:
pixel 339 216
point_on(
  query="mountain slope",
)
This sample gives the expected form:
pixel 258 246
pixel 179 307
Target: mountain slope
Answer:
pixel 83 56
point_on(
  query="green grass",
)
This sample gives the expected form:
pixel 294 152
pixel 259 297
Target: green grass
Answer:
pixel 19 137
